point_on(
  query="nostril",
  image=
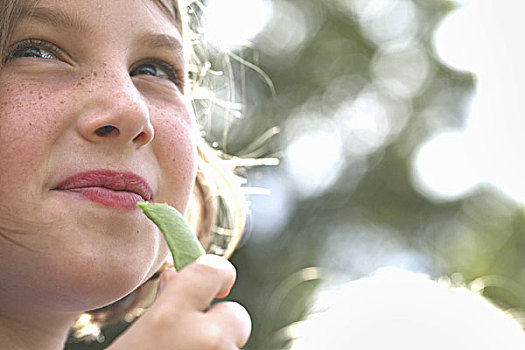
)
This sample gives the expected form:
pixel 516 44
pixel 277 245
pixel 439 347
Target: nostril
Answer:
pixel 106 130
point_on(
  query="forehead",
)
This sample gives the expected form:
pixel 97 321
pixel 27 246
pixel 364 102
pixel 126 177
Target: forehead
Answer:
pixel 133 12
pixel 171 8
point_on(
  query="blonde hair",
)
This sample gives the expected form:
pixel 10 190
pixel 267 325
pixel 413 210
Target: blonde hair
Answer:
pixel 217 207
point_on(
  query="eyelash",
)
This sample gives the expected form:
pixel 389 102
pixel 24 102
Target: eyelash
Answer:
pixel 40 44
pixel 173 74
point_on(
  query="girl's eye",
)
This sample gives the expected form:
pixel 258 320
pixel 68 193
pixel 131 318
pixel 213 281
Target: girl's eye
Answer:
pixel 161 70
pixel 33 49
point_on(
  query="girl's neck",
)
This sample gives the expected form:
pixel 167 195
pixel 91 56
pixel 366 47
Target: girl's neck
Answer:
pixel 16 334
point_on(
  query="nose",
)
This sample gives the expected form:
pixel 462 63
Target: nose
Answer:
pixel 113 111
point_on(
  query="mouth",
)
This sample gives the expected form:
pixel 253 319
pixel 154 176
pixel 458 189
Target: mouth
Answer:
pixel 107 187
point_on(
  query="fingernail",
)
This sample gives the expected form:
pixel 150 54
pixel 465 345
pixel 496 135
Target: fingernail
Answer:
pixel 214 261
pixel 223 295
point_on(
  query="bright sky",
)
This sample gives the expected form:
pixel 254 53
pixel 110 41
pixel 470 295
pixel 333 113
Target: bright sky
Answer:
pixel 483 37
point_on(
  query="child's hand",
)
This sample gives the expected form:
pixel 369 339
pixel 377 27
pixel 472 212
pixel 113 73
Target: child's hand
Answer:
pixel 181 319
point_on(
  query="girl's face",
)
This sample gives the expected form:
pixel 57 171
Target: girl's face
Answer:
pixel 92 119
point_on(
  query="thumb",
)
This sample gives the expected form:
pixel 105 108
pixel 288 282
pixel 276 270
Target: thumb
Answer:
pixel 164 277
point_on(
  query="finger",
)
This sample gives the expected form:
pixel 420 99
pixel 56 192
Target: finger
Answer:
pixel 234 319
pixel 199 283
pixel 164 277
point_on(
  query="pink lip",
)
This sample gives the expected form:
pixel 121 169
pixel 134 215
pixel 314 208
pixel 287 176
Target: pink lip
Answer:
pixel 111 188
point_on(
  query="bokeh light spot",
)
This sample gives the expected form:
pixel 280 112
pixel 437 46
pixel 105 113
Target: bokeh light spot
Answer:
pixel 231 23
pixel 314 156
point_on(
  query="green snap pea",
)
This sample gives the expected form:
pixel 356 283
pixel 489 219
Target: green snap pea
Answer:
pixel 183 243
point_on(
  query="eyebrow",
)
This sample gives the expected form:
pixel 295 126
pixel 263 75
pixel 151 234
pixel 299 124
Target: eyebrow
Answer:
pixel 162 41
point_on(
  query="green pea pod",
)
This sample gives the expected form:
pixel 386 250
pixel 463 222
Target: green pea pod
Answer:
pixel 183 243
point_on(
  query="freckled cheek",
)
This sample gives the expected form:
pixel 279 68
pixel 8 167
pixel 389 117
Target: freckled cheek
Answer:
pixel 176 151
pixel 30 122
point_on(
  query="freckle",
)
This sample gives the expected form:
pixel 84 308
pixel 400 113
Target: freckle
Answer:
pixel 62 102
pixel 94 74
pixel 40 97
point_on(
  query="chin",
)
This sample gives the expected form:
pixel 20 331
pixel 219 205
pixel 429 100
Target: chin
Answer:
pixel 95 289
pixel 81 262
pixel 82 281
